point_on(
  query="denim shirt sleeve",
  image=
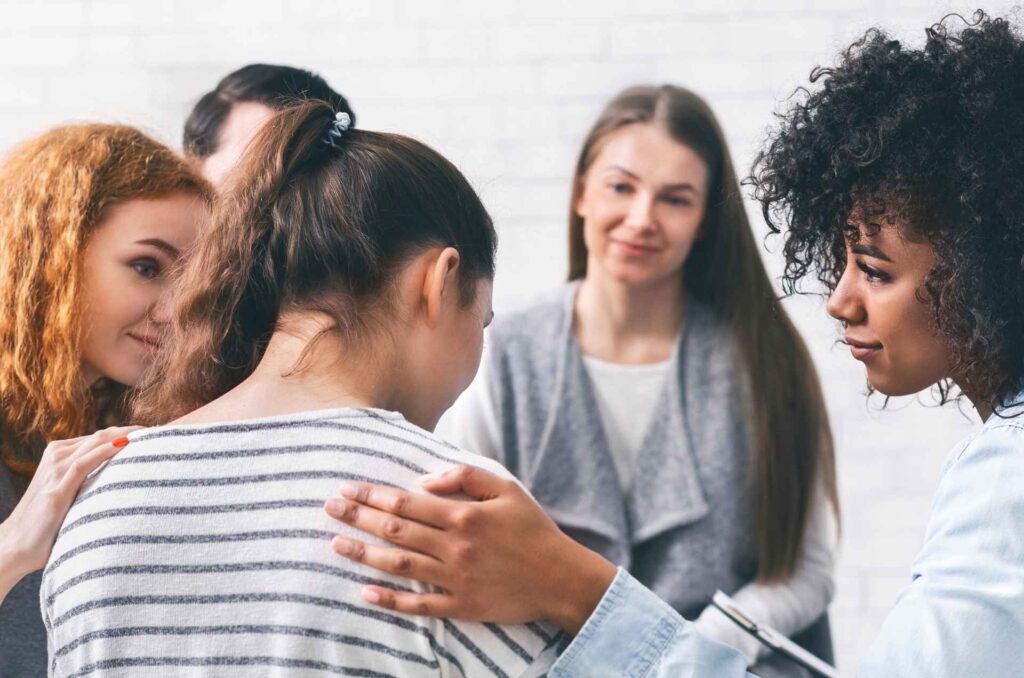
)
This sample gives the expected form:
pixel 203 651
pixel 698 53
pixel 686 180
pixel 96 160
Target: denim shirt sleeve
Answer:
pixel 634 633
pixel 963 612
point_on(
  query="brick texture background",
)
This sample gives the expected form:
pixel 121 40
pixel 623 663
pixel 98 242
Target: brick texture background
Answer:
pixel 507 90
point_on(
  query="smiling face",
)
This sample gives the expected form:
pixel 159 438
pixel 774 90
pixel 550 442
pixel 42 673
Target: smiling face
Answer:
pixel 642 202
pixel 125 269
pixel 889 322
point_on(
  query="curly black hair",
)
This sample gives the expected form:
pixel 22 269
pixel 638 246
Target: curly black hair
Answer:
pixel 930 140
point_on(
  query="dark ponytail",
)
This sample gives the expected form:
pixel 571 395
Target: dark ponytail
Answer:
pixel 309 225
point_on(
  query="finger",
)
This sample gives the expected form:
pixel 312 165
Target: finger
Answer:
pixel 391 560
pixel 423 604
pixel 421 508
pixel 85 463
pixel 102 437
pixel 390 528
pixel 469 480
pixel 58 449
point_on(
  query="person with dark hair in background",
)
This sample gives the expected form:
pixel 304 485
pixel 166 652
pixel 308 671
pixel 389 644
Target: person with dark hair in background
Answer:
pixel 898 181
pixel 330 314
pixel 225 120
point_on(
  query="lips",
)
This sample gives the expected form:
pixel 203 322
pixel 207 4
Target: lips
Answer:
pixel 862 350
pixel 148 340
pixel 635 247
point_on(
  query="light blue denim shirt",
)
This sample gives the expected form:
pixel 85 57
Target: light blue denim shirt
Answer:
pixel 961 615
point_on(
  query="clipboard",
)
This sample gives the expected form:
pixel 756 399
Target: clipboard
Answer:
pixel 772 638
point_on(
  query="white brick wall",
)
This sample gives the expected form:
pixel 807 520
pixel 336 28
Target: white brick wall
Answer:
pixel 506 90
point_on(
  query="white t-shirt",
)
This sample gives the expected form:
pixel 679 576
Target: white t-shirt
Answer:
pixel 626 396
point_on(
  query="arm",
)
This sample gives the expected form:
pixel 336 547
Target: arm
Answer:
pixel 502 559
pixel 963 611
pixel 791 605
pixel 27 535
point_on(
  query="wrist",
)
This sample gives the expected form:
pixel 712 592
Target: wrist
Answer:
pixel 584 578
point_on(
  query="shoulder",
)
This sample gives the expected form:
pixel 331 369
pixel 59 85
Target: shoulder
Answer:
pixel 996 449
pixel 705 329
pixel 444 454
pixel 980 486
pixel 977 516
pixel 542 316
pixel 963 612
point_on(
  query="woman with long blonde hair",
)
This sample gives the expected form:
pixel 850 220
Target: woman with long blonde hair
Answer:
pixel 92 219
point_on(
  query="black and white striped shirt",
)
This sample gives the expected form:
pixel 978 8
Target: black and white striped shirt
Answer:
pixel 204 549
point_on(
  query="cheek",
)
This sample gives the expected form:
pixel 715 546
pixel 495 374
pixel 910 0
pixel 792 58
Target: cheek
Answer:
pixel 916 356
pixel 595 231
pixel 115 297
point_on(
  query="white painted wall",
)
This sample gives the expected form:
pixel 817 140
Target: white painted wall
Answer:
pixel 507 90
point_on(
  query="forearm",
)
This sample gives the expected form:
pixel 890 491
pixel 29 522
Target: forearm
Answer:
pixel 633 632
pixel 12 565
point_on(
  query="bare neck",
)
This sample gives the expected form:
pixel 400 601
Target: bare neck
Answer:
pixel 628 323
pixel 305 368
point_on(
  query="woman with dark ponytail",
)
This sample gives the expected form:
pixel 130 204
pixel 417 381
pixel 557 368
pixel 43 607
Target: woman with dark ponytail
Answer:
pixel 329 316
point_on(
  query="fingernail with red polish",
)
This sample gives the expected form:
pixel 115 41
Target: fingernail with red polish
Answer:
pixel 119 442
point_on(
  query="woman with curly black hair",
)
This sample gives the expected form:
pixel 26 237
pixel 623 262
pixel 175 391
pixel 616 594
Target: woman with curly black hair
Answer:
pixel 899 181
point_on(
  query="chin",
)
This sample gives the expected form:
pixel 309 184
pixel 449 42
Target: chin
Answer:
pixel 125 375
pixel 635 276
pixel 893 386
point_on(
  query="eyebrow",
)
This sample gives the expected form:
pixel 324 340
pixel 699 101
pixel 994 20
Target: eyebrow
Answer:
pixel 685 186
pixel 871 251
pixel 167 247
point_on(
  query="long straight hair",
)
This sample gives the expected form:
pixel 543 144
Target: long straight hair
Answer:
pixel 791 440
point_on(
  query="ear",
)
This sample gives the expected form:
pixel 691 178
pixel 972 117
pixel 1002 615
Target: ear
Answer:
pixel 441 283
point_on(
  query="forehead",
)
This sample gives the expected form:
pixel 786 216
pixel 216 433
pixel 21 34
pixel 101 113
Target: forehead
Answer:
pixel 175 219
pixel 889 240
pixel 649 152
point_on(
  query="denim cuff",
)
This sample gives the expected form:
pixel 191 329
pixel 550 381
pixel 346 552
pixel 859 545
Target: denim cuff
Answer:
pixel 625 636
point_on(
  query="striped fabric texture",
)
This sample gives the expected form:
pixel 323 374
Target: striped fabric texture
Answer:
pixel 204 550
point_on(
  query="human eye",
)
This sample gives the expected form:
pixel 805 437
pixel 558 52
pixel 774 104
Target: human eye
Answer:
pixel 873 274
pixel 677 201
pixel 620 187
pixel 146 268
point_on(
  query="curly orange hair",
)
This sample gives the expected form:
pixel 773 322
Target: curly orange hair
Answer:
pixel 53 192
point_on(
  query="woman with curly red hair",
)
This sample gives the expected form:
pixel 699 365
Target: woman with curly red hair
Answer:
pixel 92 219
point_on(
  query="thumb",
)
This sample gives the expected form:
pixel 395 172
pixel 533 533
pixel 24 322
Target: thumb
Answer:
pixel 469 480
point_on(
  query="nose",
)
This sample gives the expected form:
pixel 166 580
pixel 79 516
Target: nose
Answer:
pixel 844 303
pixel 641 212
pixel 160 311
